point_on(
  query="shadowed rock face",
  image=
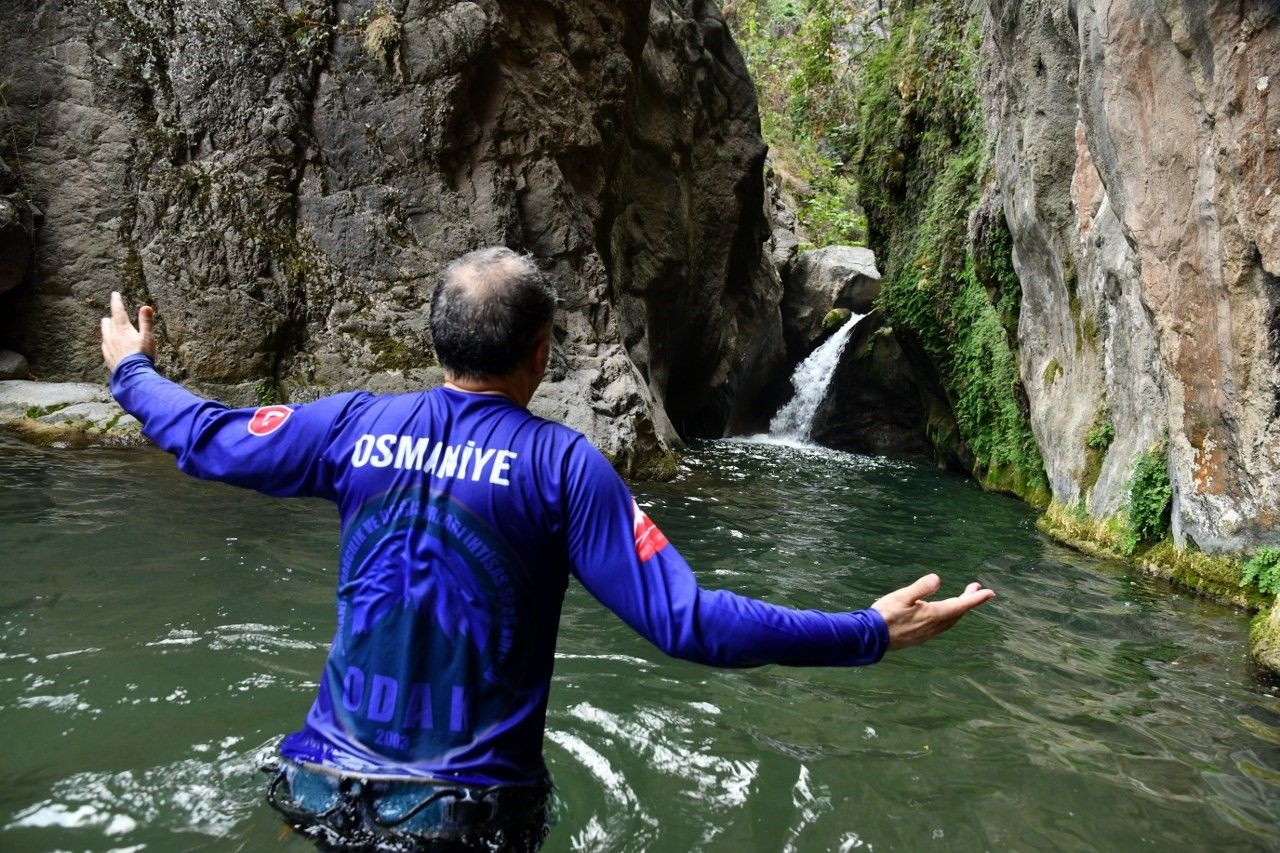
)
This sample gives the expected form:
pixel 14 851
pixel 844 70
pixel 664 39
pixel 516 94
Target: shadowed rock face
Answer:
pixel 17 231
pixel 285 185
pixel 1138 160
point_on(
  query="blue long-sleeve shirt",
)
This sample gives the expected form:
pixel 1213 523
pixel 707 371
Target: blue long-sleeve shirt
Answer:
pixel 462 517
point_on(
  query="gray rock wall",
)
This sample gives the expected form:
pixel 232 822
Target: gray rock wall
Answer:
pixel 1138 164
pixel 284 181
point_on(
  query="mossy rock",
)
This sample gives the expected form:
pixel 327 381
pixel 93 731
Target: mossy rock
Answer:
pixel 1264 638
pixel 834 319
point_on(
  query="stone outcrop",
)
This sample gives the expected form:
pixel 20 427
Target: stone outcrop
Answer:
pixel 819 280
pixel 73 412
pixel 284 184
pixel 1138 165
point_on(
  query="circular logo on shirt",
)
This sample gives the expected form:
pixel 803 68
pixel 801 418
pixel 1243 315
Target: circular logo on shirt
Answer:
pixel 268 419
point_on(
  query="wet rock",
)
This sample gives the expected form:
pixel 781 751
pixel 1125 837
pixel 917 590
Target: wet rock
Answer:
pixel 820 280
pixel 1264 634
pixel 883 403
pixel 13 365
pixel 93 417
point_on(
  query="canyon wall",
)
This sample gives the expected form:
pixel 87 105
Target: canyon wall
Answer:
pixel 1137 162
pixel 283 182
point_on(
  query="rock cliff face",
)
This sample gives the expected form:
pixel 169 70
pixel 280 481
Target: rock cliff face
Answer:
pixel 1138 165
pixel 284 181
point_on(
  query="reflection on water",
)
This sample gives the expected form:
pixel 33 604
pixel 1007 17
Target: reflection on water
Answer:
pixel 158 635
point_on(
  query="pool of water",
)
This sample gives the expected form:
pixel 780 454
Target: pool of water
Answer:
pixel 159 634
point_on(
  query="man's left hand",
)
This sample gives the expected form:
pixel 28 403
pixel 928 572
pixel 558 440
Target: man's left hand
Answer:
pixel 120 339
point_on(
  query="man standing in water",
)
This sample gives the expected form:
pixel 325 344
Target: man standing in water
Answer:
pixel 463 516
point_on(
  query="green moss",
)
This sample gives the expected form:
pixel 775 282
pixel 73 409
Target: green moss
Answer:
pixel 132 278
pixel 1264 638
pixel 1089 330
pixel 1096 443
pixel 394 354
pixel 922 164
pixel 34 412
pixel 1052 371
pixel 265 392
pixel 835 318
pixel 1215 576
pixel 1103 431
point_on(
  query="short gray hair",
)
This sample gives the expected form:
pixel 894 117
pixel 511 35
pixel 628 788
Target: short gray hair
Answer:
pixel 489 308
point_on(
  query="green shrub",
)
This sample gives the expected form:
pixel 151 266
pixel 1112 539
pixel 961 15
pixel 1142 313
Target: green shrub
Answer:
pixel 1102 433
pixel 1263 571
pixel 1150 498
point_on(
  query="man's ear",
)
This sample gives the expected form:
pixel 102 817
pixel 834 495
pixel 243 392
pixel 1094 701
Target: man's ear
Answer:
pixel 541 352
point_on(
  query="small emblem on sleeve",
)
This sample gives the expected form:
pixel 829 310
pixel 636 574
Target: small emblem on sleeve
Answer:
pixel 649 539
pixel 268 419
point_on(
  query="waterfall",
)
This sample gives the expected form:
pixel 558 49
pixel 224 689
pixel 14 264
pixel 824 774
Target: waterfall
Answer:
pixel 811 379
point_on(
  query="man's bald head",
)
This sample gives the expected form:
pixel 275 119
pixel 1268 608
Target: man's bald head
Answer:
pixel 489 308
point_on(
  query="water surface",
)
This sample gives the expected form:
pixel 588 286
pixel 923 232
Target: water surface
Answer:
pixel 158 635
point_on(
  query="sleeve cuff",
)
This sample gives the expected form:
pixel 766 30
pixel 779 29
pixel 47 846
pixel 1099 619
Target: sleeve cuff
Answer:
pixel 881 629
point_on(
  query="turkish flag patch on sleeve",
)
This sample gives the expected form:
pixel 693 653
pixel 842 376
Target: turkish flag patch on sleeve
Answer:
pixel 649 539
pixel 268 419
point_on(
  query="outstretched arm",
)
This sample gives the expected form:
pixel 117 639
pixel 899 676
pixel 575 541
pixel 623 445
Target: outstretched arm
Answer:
pixel 279 450
pixel 625 561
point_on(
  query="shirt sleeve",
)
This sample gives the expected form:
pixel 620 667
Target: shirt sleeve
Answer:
pixel 623 559
pixel 278 450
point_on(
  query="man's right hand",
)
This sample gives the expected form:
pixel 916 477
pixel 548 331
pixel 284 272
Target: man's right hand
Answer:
pixel 912 620
pixel 120 339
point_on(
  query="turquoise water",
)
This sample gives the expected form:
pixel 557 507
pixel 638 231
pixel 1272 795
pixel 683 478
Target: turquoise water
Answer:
pixel 158 635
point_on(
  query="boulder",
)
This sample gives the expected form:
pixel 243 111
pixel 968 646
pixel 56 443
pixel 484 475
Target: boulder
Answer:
pixel 13 366
pixel 35 399
pixel 884 402
pixel 820 280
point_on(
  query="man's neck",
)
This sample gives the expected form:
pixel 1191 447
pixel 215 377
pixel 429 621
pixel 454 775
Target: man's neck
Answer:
pixel 503 386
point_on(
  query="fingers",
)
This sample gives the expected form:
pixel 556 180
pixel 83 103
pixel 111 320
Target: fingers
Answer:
pixel 951 609
pixel 146 315
pixel 118 315
pixel 922 588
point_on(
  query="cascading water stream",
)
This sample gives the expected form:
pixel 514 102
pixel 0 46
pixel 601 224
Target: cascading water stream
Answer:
pixel 811 379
